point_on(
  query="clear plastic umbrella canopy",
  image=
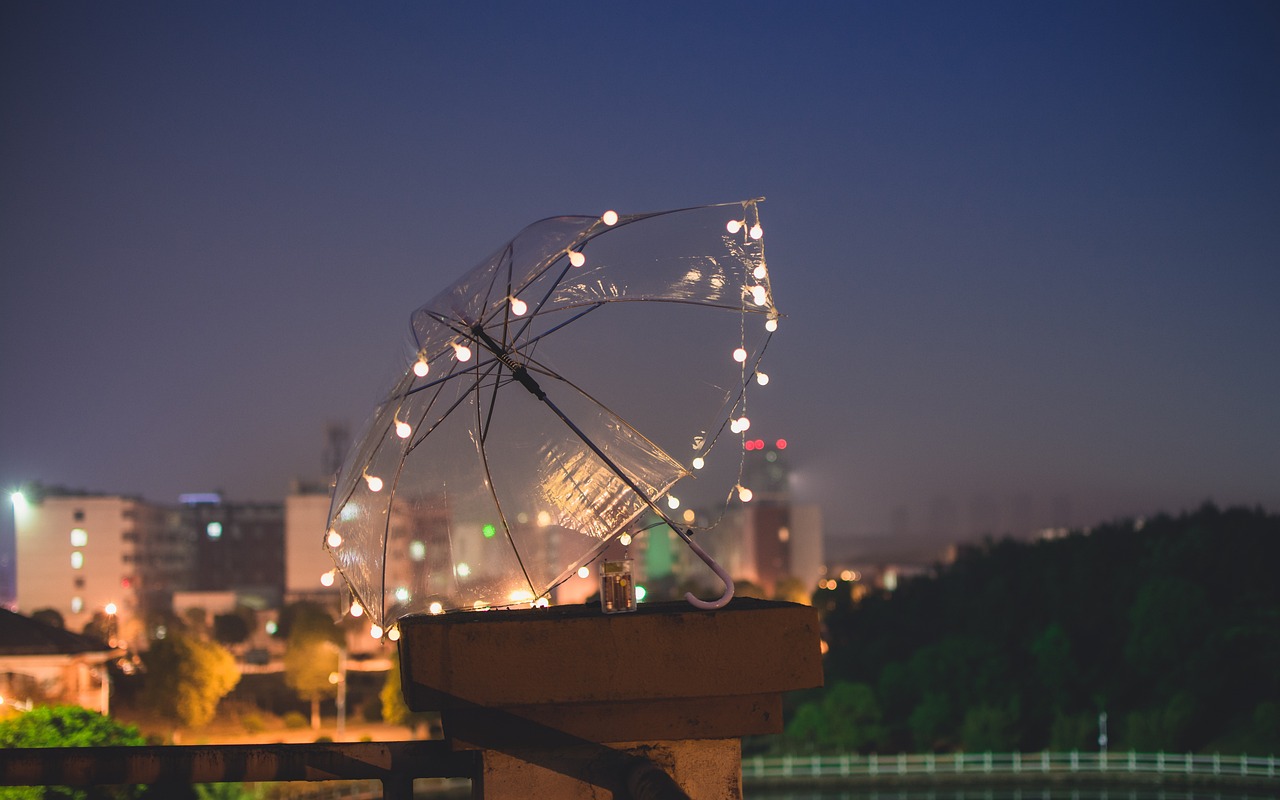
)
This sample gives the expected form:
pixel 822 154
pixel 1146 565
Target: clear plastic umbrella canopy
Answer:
pixel 588 375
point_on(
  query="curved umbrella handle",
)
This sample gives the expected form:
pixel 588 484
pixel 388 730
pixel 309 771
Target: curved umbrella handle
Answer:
pixel 717 569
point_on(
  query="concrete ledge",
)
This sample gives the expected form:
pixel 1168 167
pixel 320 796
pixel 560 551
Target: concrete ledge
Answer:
pixel 666 671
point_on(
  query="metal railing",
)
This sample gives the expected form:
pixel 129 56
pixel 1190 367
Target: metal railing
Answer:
pixel 930 765
pixel 393 765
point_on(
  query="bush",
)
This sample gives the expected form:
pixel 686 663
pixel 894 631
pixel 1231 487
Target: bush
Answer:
pixel 295 720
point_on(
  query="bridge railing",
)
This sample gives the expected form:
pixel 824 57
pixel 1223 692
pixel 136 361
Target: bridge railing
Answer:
pixel 978 764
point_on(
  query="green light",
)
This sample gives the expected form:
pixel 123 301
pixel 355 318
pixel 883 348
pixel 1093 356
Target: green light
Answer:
pixel 640 593
pixel 488 531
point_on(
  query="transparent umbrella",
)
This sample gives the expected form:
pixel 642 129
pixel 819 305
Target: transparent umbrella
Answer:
pixel 590 375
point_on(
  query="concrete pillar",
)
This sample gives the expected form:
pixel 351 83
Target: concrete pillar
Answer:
pixel 568 702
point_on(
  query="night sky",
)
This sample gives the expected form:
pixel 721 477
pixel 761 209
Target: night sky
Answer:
pixel 1029 252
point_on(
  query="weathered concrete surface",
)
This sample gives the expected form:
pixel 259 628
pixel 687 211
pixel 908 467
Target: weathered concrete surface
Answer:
pixel 665 671
pixel 706 769
pixel 562 701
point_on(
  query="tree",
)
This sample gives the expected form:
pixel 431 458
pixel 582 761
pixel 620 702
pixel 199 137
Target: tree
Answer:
pixel 394 709
pixel 846 719
pixel 49 616
pixel 988 727
pixel 311 655
pixel 793 590
pixel 187 676
pixel 233 628
pixel 66 726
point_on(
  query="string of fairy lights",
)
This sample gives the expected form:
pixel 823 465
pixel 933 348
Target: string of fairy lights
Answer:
pixel 755 292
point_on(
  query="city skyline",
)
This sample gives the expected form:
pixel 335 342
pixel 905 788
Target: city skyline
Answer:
pixel 1027 255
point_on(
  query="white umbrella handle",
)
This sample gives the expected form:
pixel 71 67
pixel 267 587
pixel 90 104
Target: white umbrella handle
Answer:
pixel 715 567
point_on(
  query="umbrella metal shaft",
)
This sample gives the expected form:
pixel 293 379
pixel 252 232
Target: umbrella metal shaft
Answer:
pixel 526 380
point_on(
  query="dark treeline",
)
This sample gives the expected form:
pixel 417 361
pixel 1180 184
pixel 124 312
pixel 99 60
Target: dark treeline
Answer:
pixel 1171 627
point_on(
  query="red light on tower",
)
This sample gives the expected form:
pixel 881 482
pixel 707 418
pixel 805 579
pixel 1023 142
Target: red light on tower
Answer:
pixel 781 444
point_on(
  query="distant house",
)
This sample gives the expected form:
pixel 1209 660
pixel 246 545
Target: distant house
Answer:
pixel 42 663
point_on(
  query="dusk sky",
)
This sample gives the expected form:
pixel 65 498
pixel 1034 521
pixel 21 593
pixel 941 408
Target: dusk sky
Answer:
pixel 1029 253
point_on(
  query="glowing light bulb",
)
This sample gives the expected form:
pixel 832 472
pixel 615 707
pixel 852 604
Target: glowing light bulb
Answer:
pixel 375 631
pixel 357 610
pixel 518 306
pixel 421 368
pixel 334 538
pixel 375 483
pixel 699 463
pixel 756 231
pixel 111 609
pixel 394 634
pixel 435 608
pixel 403 429
pixel 762 379
pixel 759 295
pixel 577 259
pixel 740 355
pixel 327 578
pixel 625 539
pixel 771 324
pixel 610 217
pixel 744 494
pixel 743 424
pixel 733 426
pixel 689 516
pixel 541 602
pixel 734 225
pixel 584 572
pixel 673 501
pixel 759 272
pixel 461 351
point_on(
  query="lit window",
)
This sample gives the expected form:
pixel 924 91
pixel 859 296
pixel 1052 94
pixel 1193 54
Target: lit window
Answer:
pixel 79 537
pixel 77 605
pixel 77 559
pixel 214 529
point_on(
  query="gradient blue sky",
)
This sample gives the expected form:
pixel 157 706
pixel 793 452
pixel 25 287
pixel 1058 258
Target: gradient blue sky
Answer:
pixel 1030 252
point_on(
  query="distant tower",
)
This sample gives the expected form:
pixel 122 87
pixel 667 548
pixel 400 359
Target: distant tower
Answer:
pixel 337 441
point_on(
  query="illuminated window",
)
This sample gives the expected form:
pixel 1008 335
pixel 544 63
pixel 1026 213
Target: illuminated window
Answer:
pixel 214 529
pixel 77 559
pixel 77 605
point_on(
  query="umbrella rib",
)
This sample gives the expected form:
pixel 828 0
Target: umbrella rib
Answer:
pixel 461 399
pixel 527 381
pixel 542 369
pixel 493 491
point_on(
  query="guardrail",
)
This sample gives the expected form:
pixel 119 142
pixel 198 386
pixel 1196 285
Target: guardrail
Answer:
pixel 978 765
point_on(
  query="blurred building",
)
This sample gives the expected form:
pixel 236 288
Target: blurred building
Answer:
pixel 236 547
pixel 308 568
pixel 85 555
pixel 768 540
